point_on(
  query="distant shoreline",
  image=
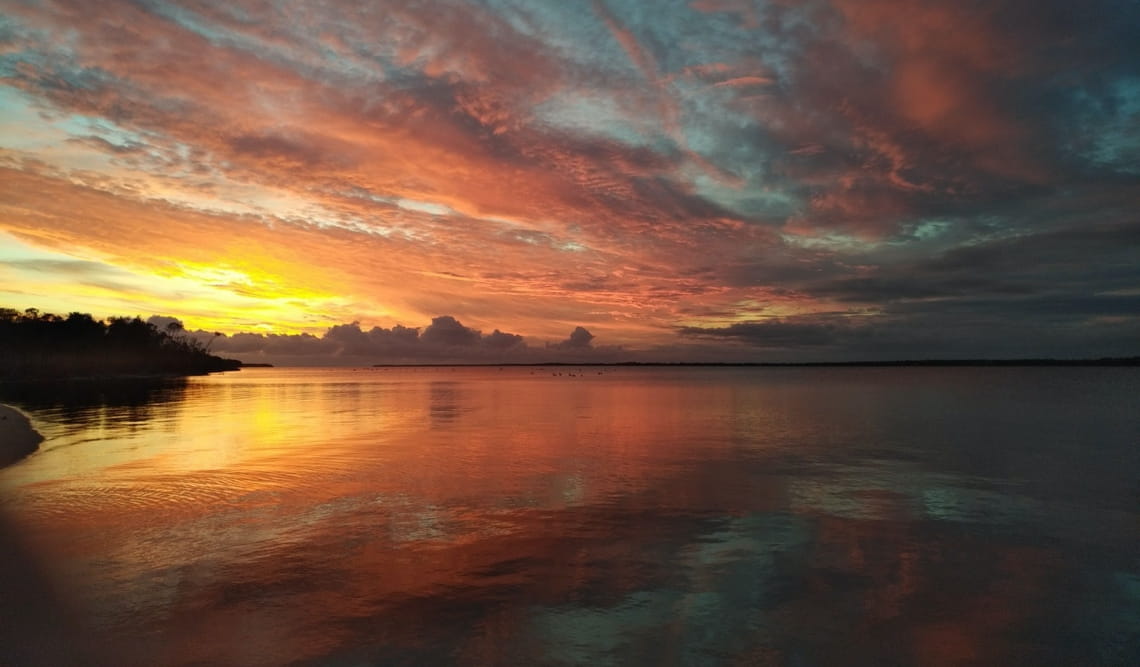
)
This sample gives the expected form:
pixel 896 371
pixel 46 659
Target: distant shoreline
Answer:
pixel 17 437
pixel 936 363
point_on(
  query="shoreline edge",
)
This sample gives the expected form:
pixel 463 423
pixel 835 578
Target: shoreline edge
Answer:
pixel 17 437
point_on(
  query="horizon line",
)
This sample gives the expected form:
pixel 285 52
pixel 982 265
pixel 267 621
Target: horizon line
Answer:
pixel 1101 361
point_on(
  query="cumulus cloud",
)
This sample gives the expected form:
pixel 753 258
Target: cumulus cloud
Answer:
pixel 580 339
pixel 497 340
pixel 445 340
pixel 164 323
pixel 446 331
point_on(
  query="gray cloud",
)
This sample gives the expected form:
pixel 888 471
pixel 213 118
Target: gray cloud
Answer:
pixel 445 340
pixel 497 340
pixel 580 339
pixel 446 331
pixel 775 333
pixel 164 323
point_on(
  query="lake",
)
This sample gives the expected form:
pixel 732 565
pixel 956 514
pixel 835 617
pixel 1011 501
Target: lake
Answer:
pixel 593 516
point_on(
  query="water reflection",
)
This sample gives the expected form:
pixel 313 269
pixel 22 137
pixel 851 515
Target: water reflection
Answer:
pixel 120 402
pixel 641 517
pixel 444 402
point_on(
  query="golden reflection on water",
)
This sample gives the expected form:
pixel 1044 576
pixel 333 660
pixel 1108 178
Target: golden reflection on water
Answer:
pixel 515 516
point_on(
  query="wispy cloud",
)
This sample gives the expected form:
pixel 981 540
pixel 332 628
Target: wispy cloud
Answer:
pixel 540 166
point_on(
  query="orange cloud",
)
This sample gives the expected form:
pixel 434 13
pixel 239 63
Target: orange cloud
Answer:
pixel 637 172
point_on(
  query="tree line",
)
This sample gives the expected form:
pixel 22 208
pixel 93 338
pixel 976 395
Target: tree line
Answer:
pixel 36 345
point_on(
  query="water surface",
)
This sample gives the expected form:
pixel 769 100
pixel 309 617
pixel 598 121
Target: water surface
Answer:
pixel 601 516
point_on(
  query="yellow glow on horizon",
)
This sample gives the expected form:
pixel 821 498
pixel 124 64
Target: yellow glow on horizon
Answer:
pixel 213 298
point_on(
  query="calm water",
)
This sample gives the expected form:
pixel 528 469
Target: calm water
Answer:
pixel 613 517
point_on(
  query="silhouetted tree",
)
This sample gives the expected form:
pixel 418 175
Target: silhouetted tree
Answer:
pixel 43 345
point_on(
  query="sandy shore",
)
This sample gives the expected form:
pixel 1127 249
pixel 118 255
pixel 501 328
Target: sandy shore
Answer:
pixel 17 437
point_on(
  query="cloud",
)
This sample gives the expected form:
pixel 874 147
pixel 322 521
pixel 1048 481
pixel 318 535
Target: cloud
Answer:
pixel 497 340
pixel 446 331
pixel 689 169
pixel 163 323
pixel 580 339
pixel 776 333
pixel 445 340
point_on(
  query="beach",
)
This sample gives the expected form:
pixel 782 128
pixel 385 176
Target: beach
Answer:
pixel 17 437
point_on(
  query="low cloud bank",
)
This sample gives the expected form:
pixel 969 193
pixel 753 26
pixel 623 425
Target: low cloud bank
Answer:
pixel 445 340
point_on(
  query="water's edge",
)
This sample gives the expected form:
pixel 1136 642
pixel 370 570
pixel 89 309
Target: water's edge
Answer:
pixel 17 437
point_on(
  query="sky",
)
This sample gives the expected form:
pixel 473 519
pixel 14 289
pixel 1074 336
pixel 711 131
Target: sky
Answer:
pixel 700 180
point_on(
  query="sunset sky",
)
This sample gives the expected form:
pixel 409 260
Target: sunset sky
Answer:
pixel 684 180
